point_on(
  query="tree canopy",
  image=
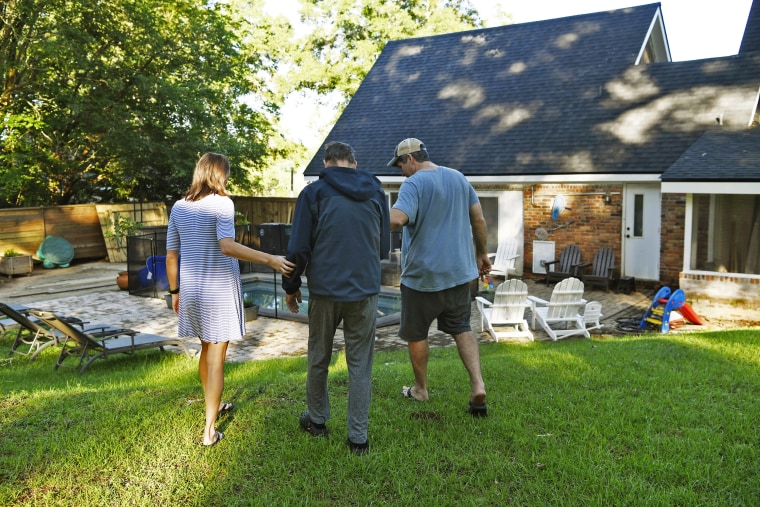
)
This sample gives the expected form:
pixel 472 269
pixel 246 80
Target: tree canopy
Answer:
pixel 116 100
pixel 345 37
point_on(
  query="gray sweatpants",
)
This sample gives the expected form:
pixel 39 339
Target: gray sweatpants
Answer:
pixel 359 320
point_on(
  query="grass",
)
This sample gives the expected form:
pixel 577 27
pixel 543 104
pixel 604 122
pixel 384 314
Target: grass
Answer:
pixel 637 420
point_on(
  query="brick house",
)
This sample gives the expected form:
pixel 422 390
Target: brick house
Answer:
pixel 657 159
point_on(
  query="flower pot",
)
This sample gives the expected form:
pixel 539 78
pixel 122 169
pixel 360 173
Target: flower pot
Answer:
pixel 251 312
pixel 123 280
pixel 16 265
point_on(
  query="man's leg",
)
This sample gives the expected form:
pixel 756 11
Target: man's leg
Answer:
pixel 321 333
pixel 419 352
pixel 417 312
pixel 469 352
pixel 359 321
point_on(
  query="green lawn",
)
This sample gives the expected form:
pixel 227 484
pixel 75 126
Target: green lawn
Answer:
pixel 635 420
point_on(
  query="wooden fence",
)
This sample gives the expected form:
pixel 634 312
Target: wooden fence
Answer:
pixel 83 225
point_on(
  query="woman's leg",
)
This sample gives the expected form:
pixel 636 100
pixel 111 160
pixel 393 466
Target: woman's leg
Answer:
pixel 211 370
pixel 203 372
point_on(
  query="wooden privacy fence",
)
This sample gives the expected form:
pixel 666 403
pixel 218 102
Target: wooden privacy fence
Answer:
pixel 149 214
pixel 23 229
pixel 262 210
pixel 83 225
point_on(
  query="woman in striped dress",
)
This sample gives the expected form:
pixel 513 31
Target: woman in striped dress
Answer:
pixel 210 304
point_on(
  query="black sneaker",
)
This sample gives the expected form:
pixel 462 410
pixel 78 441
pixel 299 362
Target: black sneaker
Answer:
pixel 308 425
pixel 477 410
pixel 359 449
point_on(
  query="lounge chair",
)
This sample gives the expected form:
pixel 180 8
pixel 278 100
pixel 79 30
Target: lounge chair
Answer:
pixel 88 347
pixel 566 265
pixel 32 332
pixel 503 263
pixel 505 317
pixel 601 269
pixel 8 323
pixel 562 309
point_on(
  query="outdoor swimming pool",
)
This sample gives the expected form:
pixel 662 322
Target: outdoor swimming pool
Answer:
pixel 261 290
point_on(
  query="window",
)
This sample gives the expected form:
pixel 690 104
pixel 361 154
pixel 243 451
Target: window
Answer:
pixel 725 234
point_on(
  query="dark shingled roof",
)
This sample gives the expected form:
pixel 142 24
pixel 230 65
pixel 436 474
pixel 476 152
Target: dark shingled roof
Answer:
pixel 719 156
pixel 560 96
pixel 751 38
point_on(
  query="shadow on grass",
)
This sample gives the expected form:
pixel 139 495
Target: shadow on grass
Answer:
pixel 663 419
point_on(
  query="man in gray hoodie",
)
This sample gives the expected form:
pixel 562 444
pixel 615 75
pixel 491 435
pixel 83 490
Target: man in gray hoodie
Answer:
pixel 341 231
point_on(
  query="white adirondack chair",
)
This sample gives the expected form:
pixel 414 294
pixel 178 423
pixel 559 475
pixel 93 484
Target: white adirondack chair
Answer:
pixel 592 314
pixel 503 261
pixel 505 317
pixel 561 316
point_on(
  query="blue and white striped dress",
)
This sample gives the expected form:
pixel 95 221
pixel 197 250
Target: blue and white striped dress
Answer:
pixel 211 302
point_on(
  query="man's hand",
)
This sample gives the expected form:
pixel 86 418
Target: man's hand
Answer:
pixel 293 300
pixel 484 267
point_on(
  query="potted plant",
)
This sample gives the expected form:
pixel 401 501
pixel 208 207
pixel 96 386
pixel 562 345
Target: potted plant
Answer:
pixel 251 310
pixel 241 220
pixel 242 225
pixel 15 263
pixel 121 226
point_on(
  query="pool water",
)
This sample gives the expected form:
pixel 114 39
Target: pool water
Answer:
pixel 261 292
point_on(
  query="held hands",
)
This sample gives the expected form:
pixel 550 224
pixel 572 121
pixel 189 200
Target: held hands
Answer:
pixel 292 301
pixel 282 265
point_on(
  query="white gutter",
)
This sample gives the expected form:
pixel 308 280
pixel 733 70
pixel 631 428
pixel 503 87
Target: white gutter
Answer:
pixel 711 187
pixel 548 179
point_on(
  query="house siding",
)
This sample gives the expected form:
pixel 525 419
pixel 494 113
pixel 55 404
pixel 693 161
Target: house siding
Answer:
pixel 673 220
pixel 595 223
pixel 739 290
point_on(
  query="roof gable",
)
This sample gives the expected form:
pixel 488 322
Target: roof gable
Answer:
pixel 467 92
pixel 552 97
pixel 751 38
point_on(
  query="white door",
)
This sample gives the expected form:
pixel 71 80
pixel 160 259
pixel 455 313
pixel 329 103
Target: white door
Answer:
pixel 641 231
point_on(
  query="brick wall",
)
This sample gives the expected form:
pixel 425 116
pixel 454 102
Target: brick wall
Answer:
pixel 595 223
pixel 673 220
pixel 738 289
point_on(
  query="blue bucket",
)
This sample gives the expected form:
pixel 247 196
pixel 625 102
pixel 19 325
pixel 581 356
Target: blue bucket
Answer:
pixel 156 265
pixel 144 278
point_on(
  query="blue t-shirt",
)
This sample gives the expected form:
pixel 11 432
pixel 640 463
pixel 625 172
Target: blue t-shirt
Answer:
pixel 437 249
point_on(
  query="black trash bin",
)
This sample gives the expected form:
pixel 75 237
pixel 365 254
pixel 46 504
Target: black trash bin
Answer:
pixel 274 237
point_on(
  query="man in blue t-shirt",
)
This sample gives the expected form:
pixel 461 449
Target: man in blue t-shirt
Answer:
pixel 441 216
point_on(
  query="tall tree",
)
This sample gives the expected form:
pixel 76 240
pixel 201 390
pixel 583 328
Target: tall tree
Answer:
pixel 115 100
pixel 345 37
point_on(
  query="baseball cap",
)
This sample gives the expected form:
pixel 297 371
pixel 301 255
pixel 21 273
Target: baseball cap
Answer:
pixel 405 147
